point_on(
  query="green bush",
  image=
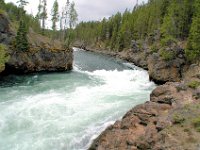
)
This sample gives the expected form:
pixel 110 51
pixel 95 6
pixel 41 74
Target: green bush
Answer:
pixel 154 48
pixel 2 11
pixel 196 123
pixel 168 41
pixel 3 57
pixel 194 84
pixel 178 119
pixel 167 55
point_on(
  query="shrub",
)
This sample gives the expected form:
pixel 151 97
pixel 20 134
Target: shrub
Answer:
pixel 168 41
pixel 154 48
pixel 3 57
pixel 196 123
pixel 194 84
pixel 167 55
pixel 2 11
pixel 178 119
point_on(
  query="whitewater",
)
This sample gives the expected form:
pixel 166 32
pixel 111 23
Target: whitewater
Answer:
pixel 67 110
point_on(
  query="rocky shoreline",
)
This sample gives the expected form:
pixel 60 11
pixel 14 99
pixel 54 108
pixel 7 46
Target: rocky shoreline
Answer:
pixel 159 123
pixel 160 71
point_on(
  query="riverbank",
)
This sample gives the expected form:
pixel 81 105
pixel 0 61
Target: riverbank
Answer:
pixel 157 124
pixel 170 113
pixel 160 70
pixel 44 54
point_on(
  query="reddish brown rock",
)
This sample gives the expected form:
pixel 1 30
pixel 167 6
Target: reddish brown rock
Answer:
pixel 151 125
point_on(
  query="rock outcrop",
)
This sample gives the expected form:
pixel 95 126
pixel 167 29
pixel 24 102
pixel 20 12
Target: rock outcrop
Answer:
pixel 42 60
pixel 6 33
pixel 156 125
pixel 160 70
pixel 44 54
pixel 174 105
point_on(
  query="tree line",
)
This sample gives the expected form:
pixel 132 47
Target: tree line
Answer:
pixel 22 21
pixel 159 21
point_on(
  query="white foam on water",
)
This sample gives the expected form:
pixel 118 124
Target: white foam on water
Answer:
pixel 62 119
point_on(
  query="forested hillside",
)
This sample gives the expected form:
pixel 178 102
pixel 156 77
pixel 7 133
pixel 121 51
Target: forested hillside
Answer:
pixel 159 23
pixel 27 44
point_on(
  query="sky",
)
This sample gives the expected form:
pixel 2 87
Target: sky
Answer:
pixel 88 10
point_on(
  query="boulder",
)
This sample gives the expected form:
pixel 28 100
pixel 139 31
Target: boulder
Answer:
pixel 162 71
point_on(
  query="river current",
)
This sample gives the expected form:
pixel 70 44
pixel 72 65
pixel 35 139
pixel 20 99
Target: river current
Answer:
pixel 66 111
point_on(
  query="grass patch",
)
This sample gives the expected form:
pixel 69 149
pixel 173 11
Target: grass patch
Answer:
pixel 194 84
pixel 196 124
pixel 2 11
pixel 168 41
pixel 178 119
pixel 167 55
pixel 154 48
pixel 3 57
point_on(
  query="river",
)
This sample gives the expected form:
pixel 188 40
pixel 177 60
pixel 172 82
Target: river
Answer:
pixel 66 111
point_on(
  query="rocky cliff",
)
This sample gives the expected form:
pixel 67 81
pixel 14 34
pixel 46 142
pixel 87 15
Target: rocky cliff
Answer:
pixel 171 113
pixel 160 70
pixel 44 54
pixel 169 121
pixel 166 122
pixel 6 33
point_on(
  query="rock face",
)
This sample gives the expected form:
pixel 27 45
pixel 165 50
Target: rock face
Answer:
pixel 44 54
pixel 42 60
pixel 137 57
pixel 162 71
pixel 155 125
pixel 166 121
pixel 6 34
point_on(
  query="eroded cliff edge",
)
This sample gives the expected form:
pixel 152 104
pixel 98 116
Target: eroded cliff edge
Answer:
pixel 44 54
pixel 171 113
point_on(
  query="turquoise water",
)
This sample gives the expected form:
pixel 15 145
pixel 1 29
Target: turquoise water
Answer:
pixel 66 111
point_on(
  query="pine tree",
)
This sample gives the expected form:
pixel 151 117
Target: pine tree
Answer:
pixel 116 27
pixel 66 13
pixel 21 38
pixel 73 16
pixel 193 47
pixel 177 19
pixel 38 16
pixel 22 3
pixel 103 29
pixel 55 15
pixel 2 3
pixel 44 14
